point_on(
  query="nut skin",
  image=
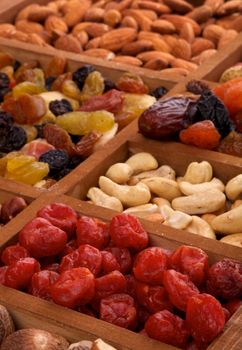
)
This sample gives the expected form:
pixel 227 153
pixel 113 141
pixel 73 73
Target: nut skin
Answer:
pixel 11 208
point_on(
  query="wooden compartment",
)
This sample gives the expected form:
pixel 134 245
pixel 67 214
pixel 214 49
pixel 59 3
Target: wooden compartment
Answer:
pixel 29 311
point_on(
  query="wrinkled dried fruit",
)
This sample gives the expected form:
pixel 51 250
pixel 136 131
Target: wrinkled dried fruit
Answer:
pixel 231 144
pixel 129 82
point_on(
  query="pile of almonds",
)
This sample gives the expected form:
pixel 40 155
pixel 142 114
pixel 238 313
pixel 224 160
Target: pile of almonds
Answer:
pixel 164 34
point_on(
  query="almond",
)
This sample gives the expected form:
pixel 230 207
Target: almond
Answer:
pixel 112 17
pixel 200 14
pixel 56 66
pixel 237 24
pixel 156 64
pixel 82 37
pixel 68 43
pixel 151 55
pixel 227 37
pixel 115 39
pixel 179 21
pixel 226 21
pixel 174 72
pixel 40 14
pixel 145 35
pixel 160 45
pixel 214 4
pixel 121 6
pixel 149 14
pixel 100 53
pixel 180 63
pixel 203 56
pixel 213 32
pixel 182 49
pixel 137 47
pixel 211 20
pixel 200 44
pixel 55 25
pixel 134 61
pixel 187 33
pixel 29 27
pixel 18 35
pixel 160 9
pixel 129 22
pixel 37 40
pixel 5 27
pixel 94 14
pixel 229 7
pixel 170 40
pixel 97 29
pixel 93 43
pixel 179 6
pixel 143 22
pixel 74 11
pixel 80 27
pixel 163 27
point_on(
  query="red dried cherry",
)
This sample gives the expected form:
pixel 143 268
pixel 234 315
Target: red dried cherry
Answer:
pixel 85 256
pixel 201 134
pixel 60 215
pixel 13 253
pixel 73 288
pixel 109 262
pixel 168 328
pixel 119 309
pixel 154 298
pixel 127 232
pixel 205 317
pixel 179 288
pixel 149 265
pixel 3 270
pixel 130 285
pixel 190 261
pixel 233 305
pixel 112 283
pixel 225 279
pixel 92 231
pixel 41 238
pixel 123 258
pixel 41 282
pixel 19 273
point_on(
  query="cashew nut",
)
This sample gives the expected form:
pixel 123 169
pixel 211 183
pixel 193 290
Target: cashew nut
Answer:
pixel 141 162
pixel 229 222
pixel 197 173
pixel 130 196
pixel 119 173
pixel 163 187
pixel 161 201
pixel 234 239
pixel 163 171
pixel 236 204
pixel 200 227
pixel 142 210
pixel 200 203
pixel 234 188
pixel 106 136
pixel 98 197
pixel 188 188
pixel 99 344
pixel 175 218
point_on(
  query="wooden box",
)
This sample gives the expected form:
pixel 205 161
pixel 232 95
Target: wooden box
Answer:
pixel 29 311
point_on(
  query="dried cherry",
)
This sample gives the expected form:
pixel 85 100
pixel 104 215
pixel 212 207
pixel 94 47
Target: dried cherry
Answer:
pixel 119 309
pixel 41 282
pixel 73 287
pixel 149 265
pixel 92 231
pixel 225 279
pixel 205 318
pixel 179 287
pixel 109 262
pixel 167 328
pixel 127 232
pixel 42 239
pixel 3 270
pixel 60 215
pixel 233 305
pixel 85 256
pixel 112 283
pixel 190 261
pixel 13 253
pixel 123 258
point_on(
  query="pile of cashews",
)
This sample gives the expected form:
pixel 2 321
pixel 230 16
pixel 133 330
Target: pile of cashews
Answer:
pixel 197 202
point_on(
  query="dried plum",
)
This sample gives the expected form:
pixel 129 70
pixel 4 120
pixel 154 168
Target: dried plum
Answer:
pixel 210 107
pixel 167 117
pixel 57 159
pixel 59 107
pixel 80 75
pixel 159 92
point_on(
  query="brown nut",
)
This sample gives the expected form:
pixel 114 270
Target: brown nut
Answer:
pixel 156 64
pixel 163 27
pixel 182 49
pixel 201 13
pixel 11 208
pixel 115 39
pixel 56 25
pixel 6 323
pixel 69 43
pixel 129 22
pixel 95 30
pixel 94 14
pixel 187 33
pixel 82 37
pixel 100 53
pixel 112 18
pixel 137 47
pixel 93 43
pixel 179 6
pixel 200 44
pixel 128 60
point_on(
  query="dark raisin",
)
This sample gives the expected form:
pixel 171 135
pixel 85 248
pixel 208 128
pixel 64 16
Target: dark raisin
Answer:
pixel 59 107
pixel 80 75
pixel 159 92
pixel 57 159
pixel 48 82
pixel 74 162
pixel 4 80
pixel 16 65
pixel 6 119
pixel 109 85
pixel 13 139
pixel 4 131
pixel 196 87
pixel 75 138
pixel 210 107
pixel 62 173
pixel 3 92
